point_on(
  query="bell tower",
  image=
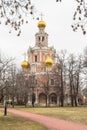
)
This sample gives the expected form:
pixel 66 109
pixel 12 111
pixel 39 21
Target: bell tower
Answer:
pixel 43 73
pixel 41 38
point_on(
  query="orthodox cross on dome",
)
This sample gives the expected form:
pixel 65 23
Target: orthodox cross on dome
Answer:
pixel 41 15
pixel 49 52
pixel 24 54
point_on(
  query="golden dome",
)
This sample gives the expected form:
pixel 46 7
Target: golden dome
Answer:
pixel 25 64
pixel 48 62
pixel 41 24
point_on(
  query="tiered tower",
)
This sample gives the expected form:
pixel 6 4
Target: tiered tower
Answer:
pixel 45 83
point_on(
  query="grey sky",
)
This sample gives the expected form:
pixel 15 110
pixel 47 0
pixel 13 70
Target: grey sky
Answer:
pixel 58 18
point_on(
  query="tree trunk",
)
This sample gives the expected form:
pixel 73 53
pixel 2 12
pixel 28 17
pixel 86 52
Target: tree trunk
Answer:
pixel 72 101
pixel 62 93
pixel 46 101
pixel 13 101
pixel 75 98
pixel 62 101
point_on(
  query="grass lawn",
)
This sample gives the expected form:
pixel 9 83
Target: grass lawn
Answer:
pixel 11 122
pixel 76 114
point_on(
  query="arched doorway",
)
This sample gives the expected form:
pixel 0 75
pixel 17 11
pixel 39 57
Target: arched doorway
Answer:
pixel 42 99
pixel 53 99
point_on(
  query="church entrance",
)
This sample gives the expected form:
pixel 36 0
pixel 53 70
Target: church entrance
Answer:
pixel 42 99
pixel 53 99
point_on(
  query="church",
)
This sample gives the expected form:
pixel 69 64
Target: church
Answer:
pixel 43 71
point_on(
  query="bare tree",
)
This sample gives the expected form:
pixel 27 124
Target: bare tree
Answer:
pixel 80 15
pixel 12 83
pixel 74 71
pixel 84 83
pixel 5 64
pixel 15 13
pixel 24 88
pixel 62 69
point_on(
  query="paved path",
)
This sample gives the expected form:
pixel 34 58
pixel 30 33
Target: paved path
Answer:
pixel 50 122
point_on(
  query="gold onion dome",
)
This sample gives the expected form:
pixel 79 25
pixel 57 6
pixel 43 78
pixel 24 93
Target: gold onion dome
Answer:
pixel 48 62
pixel 25 64
pixel 41 24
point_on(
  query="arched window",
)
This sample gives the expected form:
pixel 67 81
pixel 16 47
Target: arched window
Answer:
pixel 42 39
pixel 52 82
pixel 35 58
pixel 39 38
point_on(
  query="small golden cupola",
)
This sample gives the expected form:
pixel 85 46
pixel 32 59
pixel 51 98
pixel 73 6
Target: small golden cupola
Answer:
pixel 25 64
pixel 41 24
pixel 48 61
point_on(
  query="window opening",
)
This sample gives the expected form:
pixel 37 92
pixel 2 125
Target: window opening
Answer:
pixel 35 58
pixel 52 81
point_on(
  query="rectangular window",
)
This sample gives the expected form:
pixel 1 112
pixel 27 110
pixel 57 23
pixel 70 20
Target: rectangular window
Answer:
pixel 35 58
pixel 52 81
pixel 35 82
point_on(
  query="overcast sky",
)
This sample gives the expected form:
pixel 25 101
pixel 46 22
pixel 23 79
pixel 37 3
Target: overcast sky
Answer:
pixel 58 17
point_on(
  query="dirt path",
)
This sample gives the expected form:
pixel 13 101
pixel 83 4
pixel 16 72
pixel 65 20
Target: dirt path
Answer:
pixel 50 122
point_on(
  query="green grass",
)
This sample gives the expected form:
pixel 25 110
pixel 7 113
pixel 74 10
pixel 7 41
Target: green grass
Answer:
pixel 75 114
pixel 11 122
